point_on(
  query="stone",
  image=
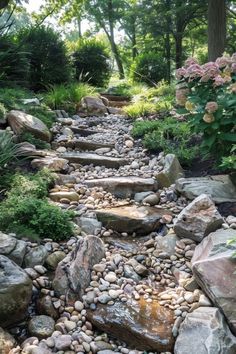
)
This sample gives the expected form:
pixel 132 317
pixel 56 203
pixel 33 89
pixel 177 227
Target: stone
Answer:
pixel 55 164
pixel 54 258
pixel 85 158
pixel 142 220
pixel 89 226
pixel 63 342
pixel 15 292
pixel 171 172
pixel 70 195
pixel 111 277
pixel 166 244
pixel 41 326
pixel 21 122
pixel 7 342
pixel 92 106
pixel 198 219
pixel 208 331
pixel 45 307
pixel 82 144
pixel 72 275
pixel 36 256
pixel 214 269
pixel 152 199
pixel 219 188
pixel 124 187
pixel 140 196
pixel 141 325
pixel 12 248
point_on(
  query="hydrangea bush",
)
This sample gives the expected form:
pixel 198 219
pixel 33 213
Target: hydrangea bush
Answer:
pixel 208 94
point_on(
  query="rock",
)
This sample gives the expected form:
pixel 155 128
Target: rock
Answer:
pixel 111 277
pixel 139 197
pixel 142 220
pixel 85 158
pixel 41 326
pixel 72 275
pixel 21 122
pixel 208 331
pixel 198 219
pixel 7 342
pixel 89 226
pixel 45 307
pixel 82 144
pixel 92 106
pixel 54 258
pixel 142 325
pixel 15 292
pixel 12 248
pixel 36 256
pixel 31 101
pixel 214 269
pixel 219 188
pixel 152 199
pixel 70 195
pixel 124 187
pixel 63 342
pixel 56 164
pixel 171 172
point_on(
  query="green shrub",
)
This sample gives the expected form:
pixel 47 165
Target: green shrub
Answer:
pixel 43 113
pixel 229 162
pixel 67 97
pixel 149 68
pixel 14 65
pixel 11 97
pixel 47 56
pixel 92 62
pixel 210 103
pixel 38 143
pixel 2 111
pixel 27 212
pixel 140 128
pixel 9 151
pixel 140 109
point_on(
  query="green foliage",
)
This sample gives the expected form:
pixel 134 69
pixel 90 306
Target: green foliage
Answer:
pixel 167 135
pixel 92 62
pixel 38 143
pixel 140 109
pixel 43 113
pixel 149 68
pixel 47 57
pixel 229 162
pixel 2 111
pixel 11 97
pixel 14 66
pixel 27 211
pixel 9 151
pixel 211 104
pixel 68 96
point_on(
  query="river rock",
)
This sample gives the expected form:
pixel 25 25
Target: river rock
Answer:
pixel 208 331
pixel 41 326
pixel 56 164
pixel 72 275
pixel 7 342
pixel 92 106
pixel 219 188
pixel 214 269
pixel 171 172
pixel 15 292
pixel 54 258
pixel 166 244
pixel 89 225
pixel 12 248
pixel 36 256
pixel 21 122
pixel 198 219
pixel 70 195
pixel 142 325
pixel 142 220
pixel 85 158
pixel 124 187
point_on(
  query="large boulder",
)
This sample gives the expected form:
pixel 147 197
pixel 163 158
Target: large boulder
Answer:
pixel 7 342
pixel 198 219
pixel 73 273
pixel 92 106
pixel 145 326
pixel 204 331
pixel 172 171
pixel 15 292
pixel 219 188
pixel 35 256
pixel 215 271
pixel 21 122
pixel 142 220
pixel 12 248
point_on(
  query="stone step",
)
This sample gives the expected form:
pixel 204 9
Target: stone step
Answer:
pixel 141 220
pixel 85 132
pixel 87 145
pixel 124 187
pixel 84 158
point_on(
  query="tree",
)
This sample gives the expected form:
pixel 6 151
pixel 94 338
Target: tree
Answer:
pixel 216 28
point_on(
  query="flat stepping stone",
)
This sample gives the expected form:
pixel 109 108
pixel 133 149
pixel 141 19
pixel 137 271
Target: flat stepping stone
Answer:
pixel 87 145
pixel 124 187
pixel 142 220
pixel 95 159
pixel 147 326
pixel 84 131
pixel 219 188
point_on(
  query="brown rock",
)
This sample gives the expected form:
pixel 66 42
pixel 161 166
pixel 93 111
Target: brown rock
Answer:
pixel 7 342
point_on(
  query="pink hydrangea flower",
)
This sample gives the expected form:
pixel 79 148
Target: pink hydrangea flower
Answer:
pixel 181 96
pixel 233 58
pixel 208 118
pixel 190 61
pixel 233 68
pixel 211 69
pixel 180 73
pixel 218 81
pixel 211 107
pixel 223 61
pixel 194 71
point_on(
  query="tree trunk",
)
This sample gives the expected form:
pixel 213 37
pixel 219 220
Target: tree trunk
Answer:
pixel 178 49
pixel 134 39
pixel 216 28
pixel 4 3
pixel 167 42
